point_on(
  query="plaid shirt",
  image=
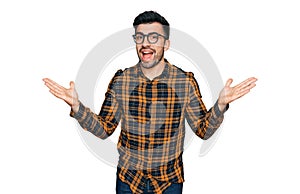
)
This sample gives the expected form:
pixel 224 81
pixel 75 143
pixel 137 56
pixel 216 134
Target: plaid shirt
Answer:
pixel 152 114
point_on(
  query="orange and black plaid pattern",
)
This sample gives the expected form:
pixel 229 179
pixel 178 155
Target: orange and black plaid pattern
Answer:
pixel 152 115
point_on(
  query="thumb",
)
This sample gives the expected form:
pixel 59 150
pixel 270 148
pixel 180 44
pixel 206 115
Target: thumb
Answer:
pixel 229 82
pixel 72 84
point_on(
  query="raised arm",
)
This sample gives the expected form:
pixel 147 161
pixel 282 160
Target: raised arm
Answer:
pixel 101 125
pixel 204 123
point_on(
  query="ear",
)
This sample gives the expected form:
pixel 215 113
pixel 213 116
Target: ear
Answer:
pixel 167 45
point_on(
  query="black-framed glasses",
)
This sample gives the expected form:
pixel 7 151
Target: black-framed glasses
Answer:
pixel 152 37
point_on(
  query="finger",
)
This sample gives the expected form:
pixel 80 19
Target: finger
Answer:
pixel 72 85
pixel 57 94
pixel 250 86
pixel 245 83
pixel 45 79
pixel 229 82
pixel 53 85
pixel 48 80
pixel 243 93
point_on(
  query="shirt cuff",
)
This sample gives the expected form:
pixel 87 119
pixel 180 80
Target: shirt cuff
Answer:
pixel 218 112
pixel 79 114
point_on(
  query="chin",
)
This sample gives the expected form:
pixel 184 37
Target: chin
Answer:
pixel 149 65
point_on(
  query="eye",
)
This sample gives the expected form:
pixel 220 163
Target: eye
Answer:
pixel 153 37
pixel 138 37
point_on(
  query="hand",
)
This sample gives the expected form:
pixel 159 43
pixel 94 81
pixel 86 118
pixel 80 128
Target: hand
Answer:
pixel 70 95
pixel 229 94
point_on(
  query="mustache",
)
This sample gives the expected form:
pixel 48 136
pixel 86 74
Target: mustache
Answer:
pixel 143 47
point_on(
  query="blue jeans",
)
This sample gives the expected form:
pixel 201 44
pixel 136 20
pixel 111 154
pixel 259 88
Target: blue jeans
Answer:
pixel 123 188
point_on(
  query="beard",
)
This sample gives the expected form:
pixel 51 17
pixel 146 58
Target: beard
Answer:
pixel 151 64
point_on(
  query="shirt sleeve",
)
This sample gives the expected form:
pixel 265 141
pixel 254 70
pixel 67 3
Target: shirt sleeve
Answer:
pixel 105 123
pixel 204 123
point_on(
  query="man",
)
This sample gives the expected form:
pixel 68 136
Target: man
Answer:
pixel 152 100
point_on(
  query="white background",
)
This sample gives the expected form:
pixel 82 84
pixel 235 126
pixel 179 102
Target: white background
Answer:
pixel 258 149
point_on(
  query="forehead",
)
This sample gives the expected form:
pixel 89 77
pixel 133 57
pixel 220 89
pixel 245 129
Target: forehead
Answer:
pixel 150 27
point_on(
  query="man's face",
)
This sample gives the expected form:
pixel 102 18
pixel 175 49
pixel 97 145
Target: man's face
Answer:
pixel 151 54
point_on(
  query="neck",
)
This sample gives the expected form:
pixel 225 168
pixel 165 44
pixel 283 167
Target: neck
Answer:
pixel 155 71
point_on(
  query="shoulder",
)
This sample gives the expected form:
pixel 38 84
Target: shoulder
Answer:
pixel 129 71
pixel 185 77
pixel 122 74
pixel 179 72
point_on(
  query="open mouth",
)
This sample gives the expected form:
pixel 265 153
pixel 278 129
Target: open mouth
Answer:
pixel 147 54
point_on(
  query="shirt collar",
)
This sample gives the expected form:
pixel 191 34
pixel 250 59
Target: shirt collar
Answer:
pixel 164 74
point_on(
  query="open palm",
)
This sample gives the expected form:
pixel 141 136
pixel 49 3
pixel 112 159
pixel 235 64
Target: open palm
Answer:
pixel 229 94
pixel 69 95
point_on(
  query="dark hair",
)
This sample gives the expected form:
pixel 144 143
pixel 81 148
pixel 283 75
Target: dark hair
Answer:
pixel 150 17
